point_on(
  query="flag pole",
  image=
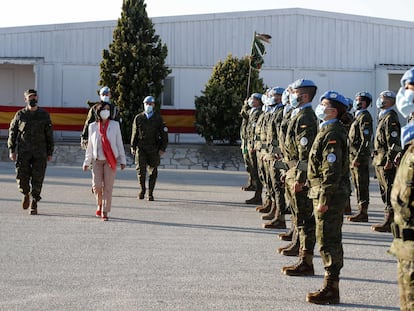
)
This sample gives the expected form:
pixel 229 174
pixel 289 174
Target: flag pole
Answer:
pixel 250 68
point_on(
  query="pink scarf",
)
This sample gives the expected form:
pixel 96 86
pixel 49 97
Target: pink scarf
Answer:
pixel 106 145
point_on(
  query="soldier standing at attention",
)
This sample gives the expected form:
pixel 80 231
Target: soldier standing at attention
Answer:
pixel 255 103
pixel 328 174
pixel 149 140
pixel 276 214
pixel 245 113
pixel 301 133
pixel 30 144
pixel 386 146
pixel 360 134
pixel 402 198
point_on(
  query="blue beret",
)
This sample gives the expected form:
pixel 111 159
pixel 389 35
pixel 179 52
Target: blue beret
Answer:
pixel 335 96
pixel 302 83
pixel 277 90
pixel 257 95
pixel 364 94
pixel 408 77
pixel 389 94
pixel 149 99
pixel 104 90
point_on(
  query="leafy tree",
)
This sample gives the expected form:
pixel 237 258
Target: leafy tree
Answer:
pixel 134 66
pixel 217 110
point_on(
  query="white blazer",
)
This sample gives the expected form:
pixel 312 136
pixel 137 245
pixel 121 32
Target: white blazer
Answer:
pixel 113 132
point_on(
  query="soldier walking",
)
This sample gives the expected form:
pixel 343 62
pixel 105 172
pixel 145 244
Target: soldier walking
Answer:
pixel 30 144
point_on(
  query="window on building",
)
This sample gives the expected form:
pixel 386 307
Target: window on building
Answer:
pixel 167 96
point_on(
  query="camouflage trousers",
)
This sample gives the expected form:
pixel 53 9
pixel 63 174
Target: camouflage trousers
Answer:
pixel 30 173
pixel 360 178
pixel 385 180
pixel 405 270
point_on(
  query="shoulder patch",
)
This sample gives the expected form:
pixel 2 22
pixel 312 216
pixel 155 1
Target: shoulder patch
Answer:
pixel 331 158
pixel 366 132
pixel 304 141
pixel 394 134
pixel 165 129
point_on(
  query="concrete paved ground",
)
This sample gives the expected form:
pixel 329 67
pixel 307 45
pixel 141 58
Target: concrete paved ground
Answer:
pixel 197 247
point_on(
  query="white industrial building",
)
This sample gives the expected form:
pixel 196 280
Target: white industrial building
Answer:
pixel 342 52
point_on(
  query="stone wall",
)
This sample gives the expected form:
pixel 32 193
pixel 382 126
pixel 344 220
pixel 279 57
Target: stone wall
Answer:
pixel 177 156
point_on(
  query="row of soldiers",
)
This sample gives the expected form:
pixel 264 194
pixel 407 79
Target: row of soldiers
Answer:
pixel 279 132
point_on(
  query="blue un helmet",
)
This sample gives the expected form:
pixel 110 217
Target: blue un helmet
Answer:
pixel 408 77
pixel 389 94
pixel 335 96
pixel 300 83
pixel 366 96
pixel 149 100
pixel 405 97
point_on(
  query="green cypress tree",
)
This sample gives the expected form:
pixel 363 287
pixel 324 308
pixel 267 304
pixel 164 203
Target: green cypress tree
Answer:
pixel 217 110
pixel 134 66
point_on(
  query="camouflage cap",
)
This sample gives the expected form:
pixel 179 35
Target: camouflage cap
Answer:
pixel 29 92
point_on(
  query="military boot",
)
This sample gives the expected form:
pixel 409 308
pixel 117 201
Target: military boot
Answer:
pixel 286 236
pixel 362 215
pixel 265 208
pixel 26 201
pixel 257 199
pixel 250 186
pixel 141 194
pixel 272 212
pixel 33 207
pixel 386 225
pixel 151 186
pixel 293 250
pixel 291 245
pixel 348 210
pixel 304 267
pixel 328 294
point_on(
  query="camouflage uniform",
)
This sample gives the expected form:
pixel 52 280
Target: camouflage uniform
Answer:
pixel 328 174
pixel 255 113
pixel 245 113
pixel 301 133
pixel 277 190
pixel 360 134
pixel 386 146
pixel 31 137
pixel 403 227
pixel 149 136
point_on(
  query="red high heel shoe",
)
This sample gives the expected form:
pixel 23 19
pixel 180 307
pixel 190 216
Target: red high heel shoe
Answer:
pixel 98 213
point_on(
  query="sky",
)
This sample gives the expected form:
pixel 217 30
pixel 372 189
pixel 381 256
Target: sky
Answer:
pixel 39 12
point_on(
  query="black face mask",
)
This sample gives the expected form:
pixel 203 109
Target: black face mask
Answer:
pixel 32 102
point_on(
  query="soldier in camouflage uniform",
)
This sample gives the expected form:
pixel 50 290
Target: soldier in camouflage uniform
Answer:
pixel 282 132
pixel 149 140
pixel 386 146
pixel 301 133
pixel 262 164
pixel 328 174
pixel 245 113
pixel 402 198
pixel 360 134
pixel 30 144
pixel 255 102
pixel 273 154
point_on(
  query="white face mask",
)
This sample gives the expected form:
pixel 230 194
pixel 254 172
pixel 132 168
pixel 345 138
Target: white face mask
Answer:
pixel 105 98
pixel 148 108
pixel 104 114
pixel 405 102
pixel 320 112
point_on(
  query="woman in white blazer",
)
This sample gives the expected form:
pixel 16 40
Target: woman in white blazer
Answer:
pixel 105 149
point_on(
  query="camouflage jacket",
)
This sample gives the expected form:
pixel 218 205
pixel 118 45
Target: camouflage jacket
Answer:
pixel 360 134
pixel 152 132
pixel 31 132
